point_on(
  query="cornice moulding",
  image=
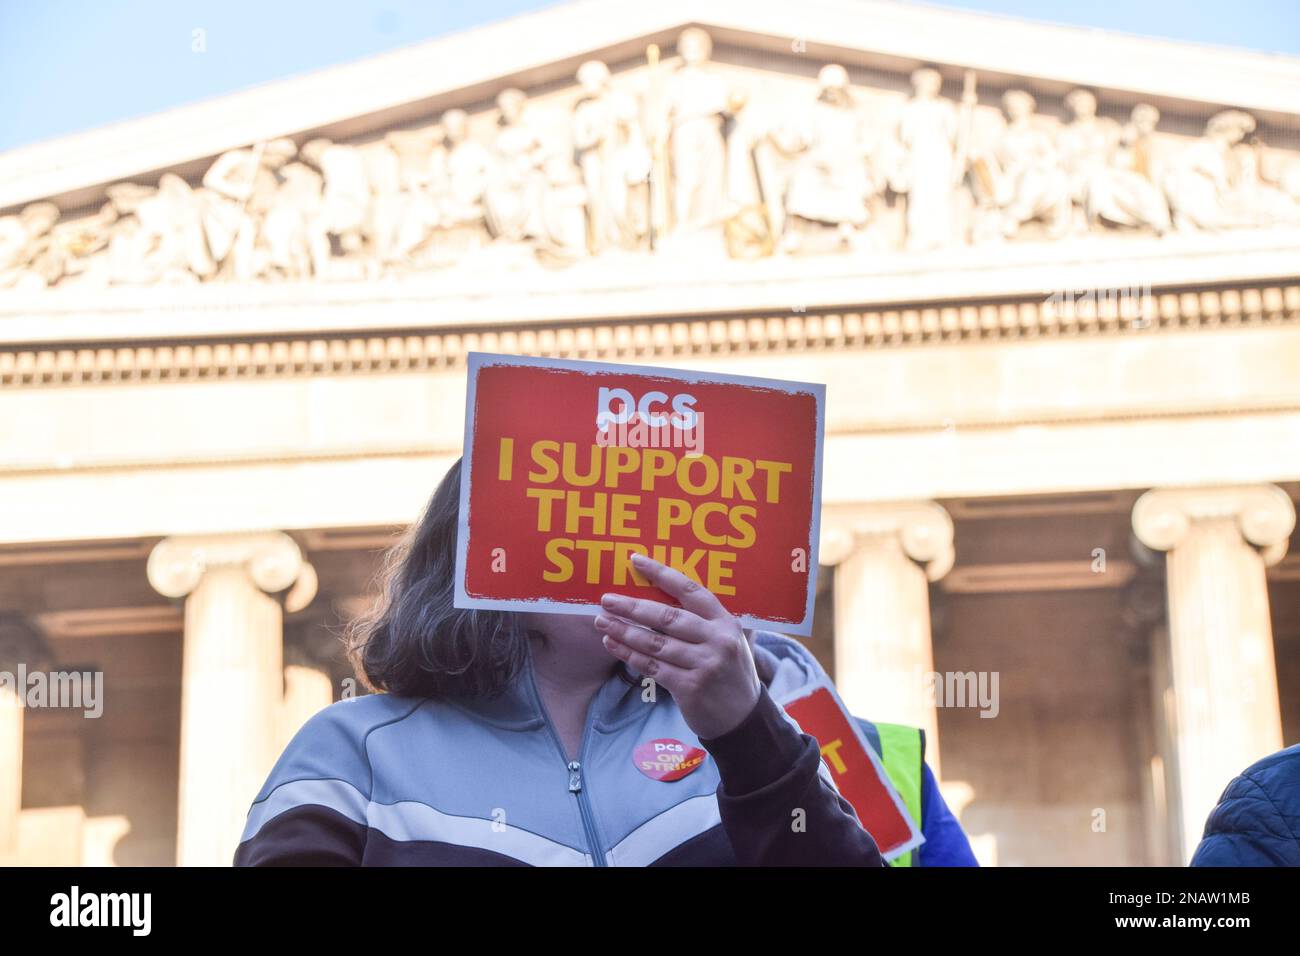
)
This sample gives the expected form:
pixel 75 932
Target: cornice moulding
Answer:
pixel 647 288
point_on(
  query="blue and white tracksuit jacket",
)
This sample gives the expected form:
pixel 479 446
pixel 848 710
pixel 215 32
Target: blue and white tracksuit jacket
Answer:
pixel 384 780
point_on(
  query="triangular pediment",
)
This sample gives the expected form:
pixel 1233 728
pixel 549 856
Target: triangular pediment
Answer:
pixel 387 117
pixel 542 49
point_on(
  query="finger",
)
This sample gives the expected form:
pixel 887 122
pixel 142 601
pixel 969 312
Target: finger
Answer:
pixel 665 674
pixel 651 643
pixel 668 618
pixel 696 598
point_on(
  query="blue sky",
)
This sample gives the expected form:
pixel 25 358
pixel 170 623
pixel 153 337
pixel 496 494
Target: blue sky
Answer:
pixel 68 65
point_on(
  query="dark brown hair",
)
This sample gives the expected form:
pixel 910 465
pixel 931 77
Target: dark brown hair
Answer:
pixel 414 642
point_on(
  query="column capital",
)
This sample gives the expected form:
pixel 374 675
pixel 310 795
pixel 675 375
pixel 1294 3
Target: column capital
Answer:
pixel 1263 514
pixel 272 560
pixel 923 530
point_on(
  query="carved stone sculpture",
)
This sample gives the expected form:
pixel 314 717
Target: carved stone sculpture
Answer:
pixel 415 152
pixel 161 237
pixel 512 199
pixel 238 190
pixel 681 161
pixel 344 209
pixel 1198 186
pixel 1029 182
pixel 1102 180
pixel 460 173
pixel 752 203
pixel 833 180
pixel 563 201
pixel 927 133
pixel 611 152
pixel 1256 197
pixel 697 104
pixel 286 229
pixel 27 258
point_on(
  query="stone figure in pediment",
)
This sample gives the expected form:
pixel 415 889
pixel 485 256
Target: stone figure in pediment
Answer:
pixel 1099 163
pixel 927 162
pixel 1136 150
pixel 1200 184
pixel 160 236
pixel 460 170
pixel 82 246
pixel 1085 144
pixel 1027 179
pixel 753 212
pixel 1260 194
pixel 696 101
pixel 415 151
pixel 610 150
pixel 833 180
pixel 237 191
pixel 286 228
pixel 121 252
pixel 29 258
pixel 175 215
pixel 563 200
pixel 343 219
pixel 512 199
pixel 389 204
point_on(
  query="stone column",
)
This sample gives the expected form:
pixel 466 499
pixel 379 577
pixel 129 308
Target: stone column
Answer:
pixel 309 650
pixel 21 649
pixel 1225 700
pixel 1165 828
pixel 11 767
pixel 232 677
pixel 1143 617
pixel 885 557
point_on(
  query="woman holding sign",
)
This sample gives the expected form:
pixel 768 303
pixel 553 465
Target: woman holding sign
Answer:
pixel 645 735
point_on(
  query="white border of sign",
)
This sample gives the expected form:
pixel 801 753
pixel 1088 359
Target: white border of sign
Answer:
pixel 479 360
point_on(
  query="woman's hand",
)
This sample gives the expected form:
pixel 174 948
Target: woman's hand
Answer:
pixel 698 651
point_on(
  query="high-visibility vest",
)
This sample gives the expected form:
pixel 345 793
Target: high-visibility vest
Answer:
pixel 901 750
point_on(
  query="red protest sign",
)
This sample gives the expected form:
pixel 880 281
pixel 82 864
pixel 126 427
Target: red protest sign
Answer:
pixel 571 467
pixel 857 771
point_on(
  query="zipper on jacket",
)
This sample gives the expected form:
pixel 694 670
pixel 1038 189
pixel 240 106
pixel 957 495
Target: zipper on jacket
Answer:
pixel 584 810
pixel 575 779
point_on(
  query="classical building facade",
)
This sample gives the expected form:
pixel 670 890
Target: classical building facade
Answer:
pixel 1051 278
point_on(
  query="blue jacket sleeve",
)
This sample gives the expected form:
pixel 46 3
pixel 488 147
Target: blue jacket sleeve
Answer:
pixel 770 771
pixel 945 841
pixel 1257 820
